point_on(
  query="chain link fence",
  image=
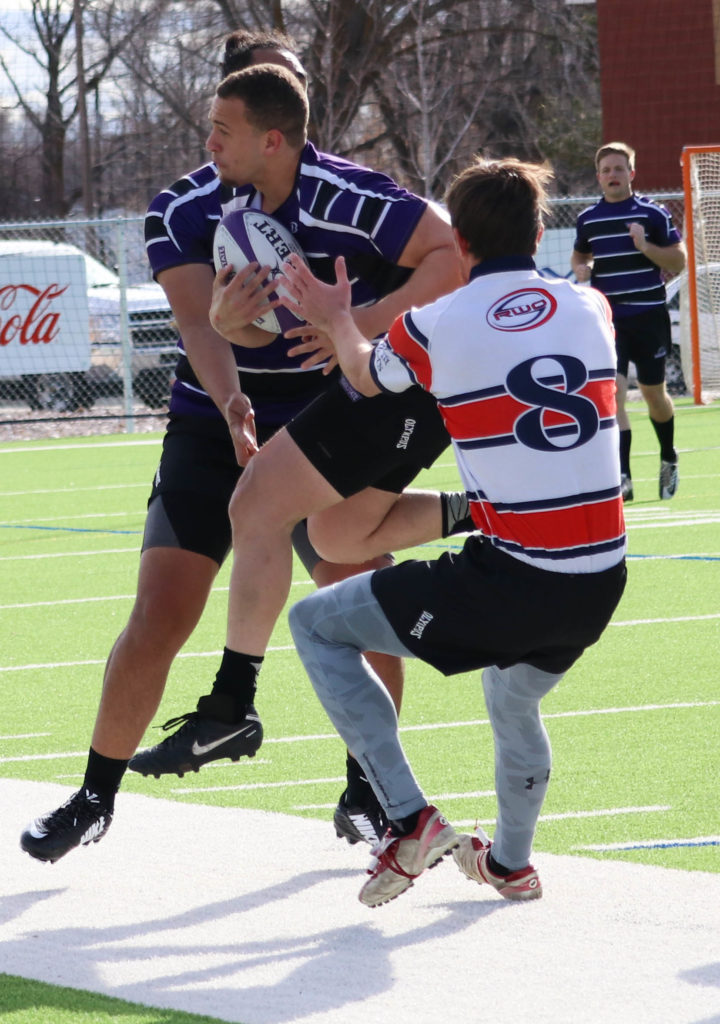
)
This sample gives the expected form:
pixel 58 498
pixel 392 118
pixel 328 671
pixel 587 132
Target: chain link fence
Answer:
pixel 88 341
pixel 85 335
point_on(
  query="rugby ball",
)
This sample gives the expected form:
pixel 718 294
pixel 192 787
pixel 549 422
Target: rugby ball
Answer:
pixel 246 236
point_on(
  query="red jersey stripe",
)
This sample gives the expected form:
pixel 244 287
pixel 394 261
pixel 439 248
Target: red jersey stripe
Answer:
pixel 496 416
pixel 556 529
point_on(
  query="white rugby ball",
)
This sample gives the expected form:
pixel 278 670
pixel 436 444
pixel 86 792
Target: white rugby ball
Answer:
pixel 246 236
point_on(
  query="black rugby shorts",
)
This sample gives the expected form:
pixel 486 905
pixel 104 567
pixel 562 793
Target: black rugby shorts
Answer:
pixel 193 484
pixel 479 607
pixel 382 442
pixel 644 340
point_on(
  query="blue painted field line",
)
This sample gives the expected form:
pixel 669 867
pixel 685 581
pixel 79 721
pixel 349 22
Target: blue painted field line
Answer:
pixel 63 529
pixel 675 558
pixel 659 844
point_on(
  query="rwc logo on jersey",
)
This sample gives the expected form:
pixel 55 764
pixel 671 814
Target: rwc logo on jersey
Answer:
pixel 522 310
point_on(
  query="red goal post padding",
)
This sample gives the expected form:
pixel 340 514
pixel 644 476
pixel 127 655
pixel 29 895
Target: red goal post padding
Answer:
pixel 702 237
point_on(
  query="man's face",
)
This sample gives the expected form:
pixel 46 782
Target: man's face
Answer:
pixel 234 144
pixel 615 177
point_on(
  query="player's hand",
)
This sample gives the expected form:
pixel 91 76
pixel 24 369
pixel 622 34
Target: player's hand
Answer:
pixel 241 421
pixel 322 305
pixel 239 298
pixel 583 273
pixel 637 233
pixel 316 345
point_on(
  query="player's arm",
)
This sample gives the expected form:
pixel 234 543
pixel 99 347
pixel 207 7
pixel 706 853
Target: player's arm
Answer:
pixel 431 252
pixel 237 299
pixel 327 308
pixel 671 258
pixel 582 264
pixel 189 289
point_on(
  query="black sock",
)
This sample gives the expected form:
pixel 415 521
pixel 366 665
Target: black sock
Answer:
pixel 103 776
pixel 625 442
pixel 456 516
pixel 233 689
pixel 404 826
pixel 665 433
pixel 497 869
pixel 359 792
pixel 237 675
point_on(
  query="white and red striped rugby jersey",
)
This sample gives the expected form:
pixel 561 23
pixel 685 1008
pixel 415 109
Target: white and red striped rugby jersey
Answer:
pixel 523 369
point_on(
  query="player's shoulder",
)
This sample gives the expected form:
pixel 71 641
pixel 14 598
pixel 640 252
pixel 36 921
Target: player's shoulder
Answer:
pixel 199 187
pixel 653 207
pixel 342 174
pixel 590 208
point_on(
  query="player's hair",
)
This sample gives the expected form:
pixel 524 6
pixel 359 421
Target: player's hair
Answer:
pixel 240 45
pixel 616 147
pixel 498 206
pixel 273 98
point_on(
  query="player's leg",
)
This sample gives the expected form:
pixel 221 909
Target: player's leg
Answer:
pixel 358 816
pixel 173 586
pixel 623 420
pixel 523 762
pixel 662 417
pixel 279 488
pixel 652 347
pixel 332 629
pixel 364 525
pixel 623 349
pixel 659 403
pixel 337 447
pixel 273 494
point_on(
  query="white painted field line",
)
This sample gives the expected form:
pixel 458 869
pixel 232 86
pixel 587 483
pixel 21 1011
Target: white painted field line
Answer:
pixel 25 736
pixel 118 597
pixel 668 524
pixel 157 442
pixel 79 516
pixel 652 844
pixel 435 726
pixel 437 798
pixel 261 785
pixel 44 757
pixel 610 812
pixel 135 550
pixel 668 619
pixel 65 601
pixel 571 714
pixel 96 488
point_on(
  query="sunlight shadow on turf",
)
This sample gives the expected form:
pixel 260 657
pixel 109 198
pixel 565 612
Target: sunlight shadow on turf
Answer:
pixel 16 905
pixel 708 974
pixel 303 964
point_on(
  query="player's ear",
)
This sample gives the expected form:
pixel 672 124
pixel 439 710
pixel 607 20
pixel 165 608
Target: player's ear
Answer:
pixel 274 140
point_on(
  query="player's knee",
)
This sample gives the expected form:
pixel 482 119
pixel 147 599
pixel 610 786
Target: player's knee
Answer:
pixel 299 620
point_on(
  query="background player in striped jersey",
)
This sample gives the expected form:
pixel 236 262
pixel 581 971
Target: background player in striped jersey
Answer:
pixel 523 370
pixel 187 531
pixel 623 244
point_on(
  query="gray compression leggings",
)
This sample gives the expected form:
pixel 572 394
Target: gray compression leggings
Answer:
pixel 333 627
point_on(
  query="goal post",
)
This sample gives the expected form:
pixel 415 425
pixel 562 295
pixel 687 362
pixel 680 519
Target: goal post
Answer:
pixel 700 285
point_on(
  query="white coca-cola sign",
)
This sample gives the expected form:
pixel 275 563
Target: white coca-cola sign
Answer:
pixel 44 323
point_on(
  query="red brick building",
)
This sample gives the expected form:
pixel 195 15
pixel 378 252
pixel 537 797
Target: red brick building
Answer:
pixel 660 81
